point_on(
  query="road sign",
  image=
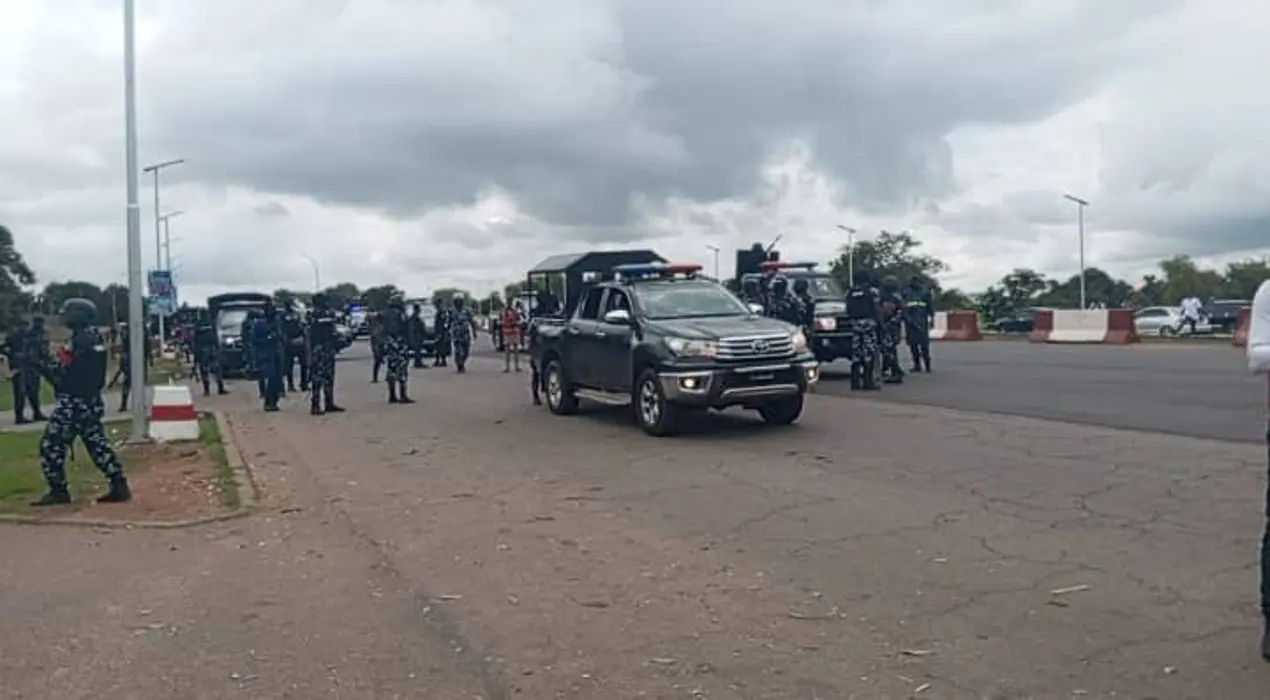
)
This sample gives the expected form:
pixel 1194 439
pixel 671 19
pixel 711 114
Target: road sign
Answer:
pixel 162 293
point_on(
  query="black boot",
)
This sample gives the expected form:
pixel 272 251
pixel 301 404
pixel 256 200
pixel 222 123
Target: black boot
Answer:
pixel 20 420
pixel 117 493
pixel 207 388
pixel 220 388
pixel 55 497
pixel 392 392
pixel 39 417
pixel 403 397
pixel 856 373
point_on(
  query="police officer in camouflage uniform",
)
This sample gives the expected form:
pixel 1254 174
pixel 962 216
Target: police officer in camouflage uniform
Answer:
pixel 442 322
pixel 378 346
pixel 891 314
pixel 462 324
pixel 919 313
pixel 320 341
pixel 397 350
pixel 863 324
pixel 783 305
pixel 415 330
pixel 78 377
pixel 207 353
pixel 293 347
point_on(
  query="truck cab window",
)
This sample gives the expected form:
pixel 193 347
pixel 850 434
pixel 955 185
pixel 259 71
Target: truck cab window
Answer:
pixel 617 301
pixel 590 309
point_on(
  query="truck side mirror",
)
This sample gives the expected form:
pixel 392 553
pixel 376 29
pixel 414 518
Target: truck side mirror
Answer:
pixel 756 308
pixel 618 317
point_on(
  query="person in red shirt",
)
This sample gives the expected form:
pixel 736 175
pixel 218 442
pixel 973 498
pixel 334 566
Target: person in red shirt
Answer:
pixel 512 324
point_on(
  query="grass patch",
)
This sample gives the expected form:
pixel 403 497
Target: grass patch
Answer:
pixel 6 396
pixel 214 443
pixel 21 480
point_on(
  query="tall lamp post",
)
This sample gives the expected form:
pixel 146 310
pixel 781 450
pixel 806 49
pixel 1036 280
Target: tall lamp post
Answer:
pixel 715 250
pixel 317 273
pixel 167 238
pixel 1080 232
pixel 136 307
pixel 850 254
pixel 158 228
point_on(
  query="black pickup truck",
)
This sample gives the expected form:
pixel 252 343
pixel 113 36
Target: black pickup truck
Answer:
pixel 659 338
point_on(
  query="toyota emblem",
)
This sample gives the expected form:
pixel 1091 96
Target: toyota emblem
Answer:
pixel 760 346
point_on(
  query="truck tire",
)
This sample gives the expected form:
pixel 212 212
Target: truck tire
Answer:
pixel 782 411
pixel 560 397
pixel 656 416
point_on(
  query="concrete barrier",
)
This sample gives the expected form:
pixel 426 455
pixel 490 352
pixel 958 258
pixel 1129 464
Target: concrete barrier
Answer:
pixel 172 414
pixel 1097 326
pixel 1242 322
pixel 962 325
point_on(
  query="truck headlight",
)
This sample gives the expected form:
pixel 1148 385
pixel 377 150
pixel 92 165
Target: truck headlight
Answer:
pixel 798 340
pixel 826 323
pixel 691 348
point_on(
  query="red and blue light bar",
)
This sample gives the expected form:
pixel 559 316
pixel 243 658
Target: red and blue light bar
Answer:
pixel 779 265
pixel 656 269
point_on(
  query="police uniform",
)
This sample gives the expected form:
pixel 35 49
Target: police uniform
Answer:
pixel 321 345
pixel 378 346
pixel 415 330
pixel 891 316
pixel 919 311
pixel 461 321
pixel 293 349
pixel 444 344
pixel 21 367
pixel 397 351
pixel 783 305
pixel 862 323
pixel 78 377
pixel 206 344
pixel 34 358
pixel 266 347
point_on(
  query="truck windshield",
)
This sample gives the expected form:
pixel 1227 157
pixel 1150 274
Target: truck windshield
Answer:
pixel 667 300
pixel 823 287
pixel 230 321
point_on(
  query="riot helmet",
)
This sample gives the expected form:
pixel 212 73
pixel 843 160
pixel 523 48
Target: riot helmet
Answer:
pixel 77 313
pixel 780 285
pixel 801 287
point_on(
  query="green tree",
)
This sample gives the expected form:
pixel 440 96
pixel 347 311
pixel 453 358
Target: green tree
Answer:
pixel 446 294
pixel 377 298
pixel 953 299
pixel 55 294
pixel 1183 278
pixel 342 294
pixel 897 254
pixel 15 302
pixel 512 289
pixel 1242 279
pixel 1100 289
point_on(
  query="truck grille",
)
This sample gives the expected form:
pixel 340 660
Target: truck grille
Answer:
pixel 757 347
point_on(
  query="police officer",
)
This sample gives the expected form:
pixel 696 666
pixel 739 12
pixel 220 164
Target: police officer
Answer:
pixel 19 368
pixel 124 371
pixel 266 348
pixel 78 377
pixel 206 345
pixel 415 329
pixel 397 349
pixel 34 358
pixel 891 313
pixel 862 323
pixel 782 304
pixel 443 341
pixel 919 313
pixel 378 346
pixel 249 359
pixel 751 293
pixel 462 325
pixel 802 292
pixel 293 347
pixel 320 342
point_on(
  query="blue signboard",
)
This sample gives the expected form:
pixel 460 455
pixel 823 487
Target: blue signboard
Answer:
pixel 162 293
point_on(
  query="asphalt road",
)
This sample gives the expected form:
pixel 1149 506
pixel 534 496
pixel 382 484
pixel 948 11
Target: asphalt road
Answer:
pixel 1190 389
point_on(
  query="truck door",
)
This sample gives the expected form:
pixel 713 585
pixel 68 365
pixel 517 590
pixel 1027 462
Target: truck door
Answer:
pixel 613 345
pixel 581 342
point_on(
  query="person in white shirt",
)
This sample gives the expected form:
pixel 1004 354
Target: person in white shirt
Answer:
pixel 1192 310
pixel 1259 362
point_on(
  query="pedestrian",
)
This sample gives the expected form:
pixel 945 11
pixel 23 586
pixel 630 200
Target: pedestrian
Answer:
pixel 462 328
pixel 320 344
pixel 266 347
pixel 1192 310
pixel 1259 362
pixel 378 346
pixel 511 323
pixel 443 340
pixel 397 350
pixel 78 377
pixel 293 347
pixel 415 330
pixel 862 323
pixel 891 315
pixel 206 346
pixel 919 314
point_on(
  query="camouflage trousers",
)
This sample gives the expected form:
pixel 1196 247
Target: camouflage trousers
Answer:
pixel 322 376
pixel 72 418
pixel 397 356
pixel 462 350
pixel 864 340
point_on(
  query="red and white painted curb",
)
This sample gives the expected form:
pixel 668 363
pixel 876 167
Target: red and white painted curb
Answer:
pixel 1096 326
pixel 172 414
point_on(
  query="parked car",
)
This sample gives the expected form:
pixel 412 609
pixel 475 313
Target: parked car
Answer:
pixel 1224 313
pixel 1018 322
pixel 1165 322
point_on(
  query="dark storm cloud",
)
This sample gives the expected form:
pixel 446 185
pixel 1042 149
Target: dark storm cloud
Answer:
pixel 574 108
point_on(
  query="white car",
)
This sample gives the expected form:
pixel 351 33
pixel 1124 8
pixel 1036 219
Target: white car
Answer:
pixel 1166 322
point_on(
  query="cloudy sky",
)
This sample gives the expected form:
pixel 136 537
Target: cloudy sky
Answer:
pixel 431 143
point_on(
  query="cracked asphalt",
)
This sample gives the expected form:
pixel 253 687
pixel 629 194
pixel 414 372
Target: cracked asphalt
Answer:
pixel 472 546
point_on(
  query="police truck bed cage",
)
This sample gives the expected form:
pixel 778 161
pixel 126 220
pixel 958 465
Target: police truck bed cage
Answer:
pixel 238 299
pixel 568 276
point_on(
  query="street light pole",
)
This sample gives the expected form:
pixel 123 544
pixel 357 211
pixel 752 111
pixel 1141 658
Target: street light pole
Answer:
pixel 1080 229
pixel 850 254
pixel 715 249
pixel 317 274
pixel 136 309
pixel 167 238
pixel 158 226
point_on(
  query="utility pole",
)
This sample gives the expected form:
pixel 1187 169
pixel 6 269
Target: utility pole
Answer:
pixel 158 230
pixel 850 254
pixel 1080 232
pixel 136 309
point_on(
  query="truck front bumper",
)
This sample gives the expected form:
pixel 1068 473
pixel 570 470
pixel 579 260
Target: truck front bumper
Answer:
pixel 719 387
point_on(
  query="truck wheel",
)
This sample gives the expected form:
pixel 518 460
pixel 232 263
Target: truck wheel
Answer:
pixel 783 411
pixel 657 416
pixel 560 397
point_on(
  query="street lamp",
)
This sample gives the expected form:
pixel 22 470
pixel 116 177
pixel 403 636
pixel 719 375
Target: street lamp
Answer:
pixel 136 308
pixel 167 238
pixel 317 274
pixel 715 250
pixel 850 254
pixel 158 230
pixel 1080 228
